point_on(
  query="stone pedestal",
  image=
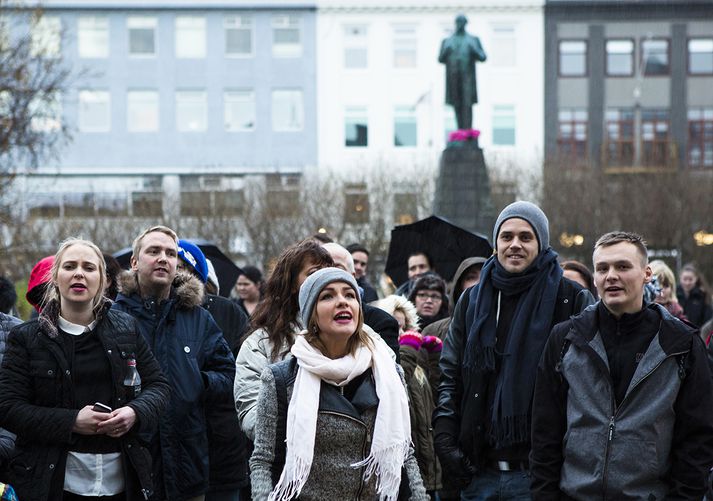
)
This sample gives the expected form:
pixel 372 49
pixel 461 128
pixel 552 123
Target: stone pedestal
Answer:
pixel 463 188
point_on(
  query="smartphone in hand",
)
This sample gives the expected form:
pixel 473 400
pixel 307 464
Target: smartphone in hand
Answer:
pixel 99 407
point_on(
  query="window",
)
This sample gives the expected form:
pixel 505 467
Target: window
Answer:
pixel 355 46
pixel 78 204
pixel 502 52
pixel 356 126
pixel 46 37
pixel 142 36
pixel 405 208
pixel 405 126
pixel 700 56
pixel 142 111
pixel 654 56
pixel 238 36
pixel 94 111
pixel 46 112
pixel 700 137
pixel 504 125
pixel 239 110
pixel 286 36
pixel 193 203
pixel 287 110
pixel 229 203
pixel 620 57
pixel 356 203
pixel 43 205
pixel 572 58
pixel 191 111
pixel 111 204
pixel 620 137
pixel 93 37
pixel 147 204
pixel 405 46
pixel 572 136
pixel 654 137
pixel 190 37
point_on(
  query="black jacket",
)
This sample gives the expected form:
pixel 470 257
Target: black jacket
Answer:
pixel 36 403
pixel 656 443
pixel 229 448
pixel 461 412
pixel 698 311
pixel 384 325
pixel 195 357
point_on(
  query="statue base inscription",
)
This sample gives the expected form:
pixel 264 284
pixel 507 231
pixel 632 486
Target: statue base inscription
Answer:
pixel 463 188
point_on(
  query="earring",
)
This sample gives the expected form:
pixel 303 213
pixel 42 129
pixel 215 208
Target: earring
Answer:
pixel 315 330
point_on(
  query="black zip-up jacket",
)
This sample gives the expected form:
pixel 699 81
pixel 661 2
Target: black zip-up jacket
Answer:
pixel 698 310
pixel 656 443
pixel 36 403
pixel 460 417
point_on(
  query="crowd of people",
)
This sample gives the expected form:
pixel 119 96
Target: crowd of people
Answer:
pixel 521 376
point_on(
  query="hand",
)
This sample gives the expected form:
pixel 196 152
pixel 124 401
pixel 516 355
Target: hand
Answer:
pixel 411 338
pixel 119 423
pixel 432 344
pixel 87 421
pixel 454 463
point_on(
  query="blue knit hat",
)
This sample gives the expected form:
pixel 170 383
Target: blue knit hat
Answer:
pixel 192 255
pixel 309 292
pixel 530 213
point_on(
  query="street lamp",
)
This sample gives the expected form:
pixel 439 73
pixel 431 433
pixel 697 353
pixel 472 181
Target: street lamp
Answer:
pixel 571 240
pixel 703 238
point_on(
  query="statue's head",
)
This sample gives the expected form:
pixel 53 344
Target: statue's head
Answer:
pixel 461 21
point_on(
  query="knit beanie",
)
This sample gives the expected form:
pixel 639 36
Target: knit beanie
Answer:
pixel 191 254
pixel 309 292
pixel 530 213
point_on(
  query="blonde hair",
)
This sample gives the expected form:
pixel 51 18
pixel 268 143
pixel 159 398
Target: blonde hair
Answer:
pixel 665 277
pixel 393 303
pixel 136 246
pixel 52 292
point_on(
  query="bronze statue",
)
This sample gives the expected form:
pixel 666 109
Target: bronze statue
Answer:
pixel 459 52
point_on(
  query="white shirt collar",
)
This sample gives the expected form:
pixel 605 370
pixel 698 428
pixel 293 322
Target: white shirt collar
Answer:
pixel 75 329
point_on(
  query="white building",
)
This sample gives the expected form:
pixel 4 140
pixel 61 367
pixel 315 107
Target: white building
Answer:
pixel 381 90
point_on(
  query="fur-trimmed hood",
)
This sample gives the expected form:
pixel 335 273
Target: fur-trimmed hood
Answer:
pixel 187 290
pixel 393 303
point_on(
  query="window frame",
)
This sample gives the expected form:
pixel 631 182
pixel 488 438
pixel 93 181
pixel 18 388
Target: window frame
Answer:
pixel 514 128
pixel 642 62
pixel 688 57
pixel 205 116
pixel 653 159
pixel 571 151
pixel 702 142
pixel 400 111
pixel 107 33
pixel 633 58
pixel 133 130
pixel 620 143
pixel 155 22
pixel 235 93
pixel 287 51
pixel 237 55
pixel 396 37
pixel 301 109
pixel 98 130
pixel 352 112
pixel 559 57
pixel 202 24
pixel 352 42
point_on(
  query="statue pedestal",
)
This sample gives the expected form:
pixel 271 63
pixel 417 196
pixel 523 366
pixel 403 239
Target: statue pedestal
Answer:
pixel 463 188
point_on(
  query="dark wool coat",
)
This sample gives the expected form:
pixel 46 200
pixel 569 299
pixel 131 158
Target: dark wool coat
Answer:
pixel 200 367
pixel 36 402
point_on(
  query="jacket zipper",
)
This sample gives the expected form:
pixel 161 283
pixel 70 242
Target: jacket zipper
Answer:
pixel 615 413
pixel 367 437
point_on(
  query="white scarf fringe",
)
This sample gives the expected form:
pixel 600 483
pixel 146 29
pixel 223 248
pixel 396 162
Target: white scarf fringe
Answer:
pixel 392 429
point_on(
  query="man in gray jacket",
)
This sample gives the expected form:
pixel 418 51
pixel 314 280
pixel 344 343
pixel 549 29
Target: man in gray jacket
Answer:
pixel 623 405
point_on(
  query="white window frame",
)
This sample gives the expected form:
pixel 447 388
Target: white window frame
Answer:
pixel 190 37
pixel 142 22
pixel 239 22
pixel 505 111
pixel 99 97
pixel 405 112
pixel 354 114
pixel 404 37
pixel 151 100
pixel 356 38
pixel 46 37
pixel 46 113
pixel 93 37
pixel 299 117
pixel 238 97
pixel 189 97
pixel 286 22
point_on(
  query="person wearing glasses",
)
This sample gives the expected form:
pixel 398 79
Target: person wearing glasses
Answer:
pixel 429 296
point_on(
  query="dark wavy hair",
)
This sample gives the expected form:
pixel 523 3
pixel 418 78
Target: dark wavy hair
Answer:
pixel 277 313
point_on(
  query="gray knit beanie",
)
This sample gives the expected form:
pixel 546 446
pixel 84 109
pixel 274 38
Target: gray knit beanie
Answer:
pixel 530 213
pixel 310 289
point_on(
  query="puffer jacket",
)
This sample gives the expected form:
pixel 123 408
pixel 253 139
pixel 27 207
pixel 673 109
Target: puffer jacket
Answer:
pixel 197 360
pixel 7 439
pixel 343 437
pixel 461 410
pixel 37 395
pixel 656 444
pixel 255 354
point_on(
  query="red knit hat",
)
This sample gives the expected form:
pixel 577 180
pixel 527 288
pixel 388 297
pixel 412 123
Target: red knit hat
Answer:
pixel 39 277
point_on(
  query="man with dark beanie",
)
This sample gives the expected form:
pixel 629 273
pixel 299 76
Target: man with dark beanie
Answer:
pixel 490 355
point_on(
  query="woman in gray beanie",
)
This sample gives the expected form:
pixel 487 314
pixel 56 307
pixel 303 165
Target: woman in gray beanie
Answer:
pixel 333 421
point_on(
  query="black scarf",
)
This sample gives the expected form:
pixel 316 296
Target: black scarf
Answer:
pixel 530 327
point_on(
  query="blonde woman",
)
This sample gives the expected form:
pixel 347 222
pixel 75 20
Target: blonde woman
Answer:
pixel 65 392
pixel 667 282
